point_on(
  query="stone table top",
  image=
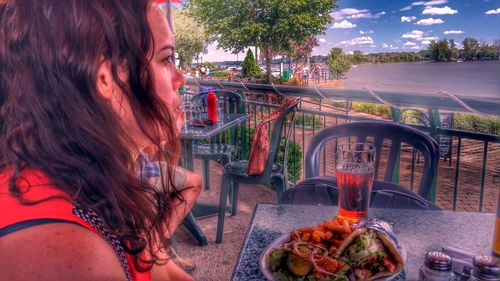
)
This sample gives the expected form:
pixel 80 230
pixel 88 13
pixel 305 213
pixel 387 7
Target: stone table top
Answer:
pixel 418 231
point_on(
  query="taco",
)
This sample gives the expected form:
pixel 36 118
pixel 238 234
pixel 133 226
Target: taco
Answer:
pixel 372 250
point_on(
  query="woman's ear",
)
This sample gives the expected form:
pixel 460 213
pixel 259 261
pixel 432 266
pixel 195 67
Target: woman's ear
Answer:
pixel 104 83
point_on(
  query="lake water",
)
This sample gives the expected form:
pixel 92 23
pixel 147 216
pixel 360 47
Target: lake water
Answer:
pixel 480 79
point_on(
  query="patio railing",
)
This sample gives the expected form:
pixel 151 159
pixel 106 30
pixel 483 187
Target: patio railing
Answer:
pixel 469 176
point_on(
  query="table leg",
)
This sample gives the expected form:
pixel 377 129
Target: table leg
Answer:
pixel 193 228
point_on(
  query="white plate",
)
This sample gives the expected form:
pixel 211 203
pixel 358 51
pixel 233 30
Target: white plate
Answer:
pixel 285 238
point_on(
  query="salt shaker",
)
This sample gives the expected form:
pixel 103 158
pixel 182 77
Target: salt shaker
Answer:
pixel 486 268
pixel 437 267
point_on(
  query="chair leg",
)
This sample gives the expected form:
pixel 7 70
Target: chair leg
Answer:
pixel 234 201
pixel 206 174
pixel 279 186
pixel 224 191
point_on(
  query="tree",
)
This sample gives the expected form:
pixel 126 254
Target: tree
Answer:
pixel 190 38
pixel 358 57
pixel 487 52
pixel 338 63
pixel 470 49
pixel 250 68
pixel 299 52
pixel 454 53
pixel 439 50
pixel 270 25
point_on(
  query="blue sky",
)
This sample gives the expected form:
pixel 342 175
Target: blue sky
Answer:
pixel 400 25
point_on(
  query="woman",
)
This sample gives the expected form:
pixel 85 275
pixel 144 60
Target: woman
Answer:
pixel 85 86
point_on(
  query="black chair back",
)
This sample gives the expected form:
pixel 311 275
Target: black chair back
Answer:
pixel 380 131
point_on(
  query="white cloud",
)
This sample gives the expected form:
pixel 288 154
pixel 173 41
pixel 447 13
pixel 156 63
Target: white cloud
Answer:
pixel 414 34
pixel 424 3
pixel 343 24
pixel 366 32
pixel 408 19
pixel 351 13
pixel 358 41
pixel 429 21
pixel 322 40
pixel 453 32
pixel 425 42
pixel 428 38
pixel 409 44
pixel 429 3
pixel 492 12
pixel 415 48
pixel 384 45
pixel 373 45
pixel 439 11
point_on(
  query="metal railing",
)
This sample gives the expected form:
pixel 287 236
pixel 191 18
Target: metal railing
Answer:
pixel 462 183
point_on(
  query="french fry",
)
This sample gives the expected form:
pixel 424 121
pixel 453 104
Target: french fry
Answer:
pixel 306 236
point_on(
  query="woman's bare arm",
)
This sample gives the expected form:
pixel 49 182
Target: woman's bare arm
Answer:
pixel 189 184
pixel 57 251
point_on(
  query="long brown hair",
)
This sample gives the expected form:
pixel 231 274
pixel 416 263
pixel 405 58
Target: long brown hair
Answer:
pixel 53 118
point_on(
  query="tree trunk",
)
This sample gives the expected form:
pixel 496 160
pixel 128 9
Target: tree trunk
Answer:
pixel 269 59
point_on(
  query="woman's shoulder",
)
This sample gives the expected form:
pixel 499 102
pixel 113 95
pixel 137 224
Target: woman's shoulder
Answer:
pixel 59 251
pixel 46 201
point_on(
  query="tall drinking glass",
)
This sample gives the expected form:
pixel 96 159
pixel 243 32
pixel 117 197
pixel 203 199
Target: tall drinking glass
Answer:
pixel 496 237
pixel 355 165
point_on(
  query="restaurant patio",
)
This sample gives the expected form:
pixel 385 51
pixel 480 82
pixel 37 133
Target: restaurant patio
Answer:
pixel 467 180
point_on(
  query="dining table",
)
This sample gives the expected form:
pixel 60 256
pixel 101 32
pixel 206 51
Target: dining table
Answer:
pixel 190 133
pixel 418 231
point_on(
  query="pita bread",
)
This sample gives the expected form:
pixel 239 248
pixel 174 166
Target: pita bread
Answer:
pixel 389 245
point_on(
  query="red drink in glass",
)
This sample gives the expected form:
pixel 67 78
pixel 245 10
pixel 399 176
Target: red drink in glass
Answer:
pixel 354 192
pixel 355 174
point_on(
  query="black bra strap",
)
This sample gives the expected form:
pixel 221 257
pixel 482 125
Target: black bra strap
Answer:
pixel 25 224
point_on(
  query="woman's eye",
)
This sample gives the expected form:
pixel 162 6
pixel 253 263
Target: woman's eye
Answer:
pixel 168 59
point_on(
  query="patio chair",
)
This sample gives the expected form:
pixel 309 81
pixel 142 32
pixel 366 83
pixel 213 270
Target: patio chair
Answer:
pixel 274 173
pixel 380 131
pixel 322 190
pixel 218 149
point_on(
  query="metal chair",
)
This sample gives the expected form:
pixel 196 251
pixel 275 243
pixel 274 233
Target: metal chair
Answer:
pixel 274 173
pixel 218 149
pixel 386 193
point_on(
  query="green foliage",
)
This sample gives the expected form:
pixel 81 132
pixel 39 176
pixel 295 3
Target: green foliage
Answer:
pixel 477 123
pixel 439 50
pixel 338 63
pixel 250 68
pixel 470 49
pixel 294 163
pixel 270 25
pixel 190 37
pixel 221 74
pixel 310 121
pixel 372 108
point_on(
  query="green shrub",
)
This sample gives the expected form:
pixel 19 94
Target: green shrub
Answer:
pixel 221 74
pixel 477 123
pixel 373 109
pixel 250 68
pixel 412 117
pixel 294 163
pixel 310 121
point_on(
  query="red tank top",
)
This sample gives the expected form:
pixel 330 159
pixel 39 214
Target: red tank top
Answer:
pixel 36 186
